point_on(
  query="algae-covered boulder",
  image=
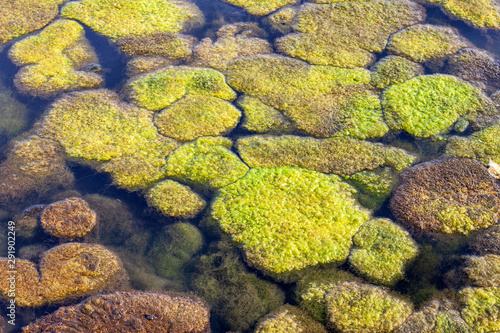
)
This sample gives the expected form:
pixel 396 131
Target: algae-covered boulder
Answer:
pixel 381 252
pixel 261 7
pixel 282 20
pixel 169 45
pixel 55 60
pixel 482 271
pixel 67 271
pixel 157 90
pixel 480 145
pixel 121 18
pixel 233 41
pixel 288 219
pixel 346 33
pixel 320 100
pixel 429 105
pixel 196 116
pixel 423 42
pixel 487 241
pixel 393 70
pixel 373 187
pixel 447 195
pixel 479 13
pixel 174 199
pixel 262 118
pixel 354 307
pixel 207 163
pixel 128 310
pixel 481 308
pixel 342 156
pixel 18 18
pixel 288 318
pixel 97 126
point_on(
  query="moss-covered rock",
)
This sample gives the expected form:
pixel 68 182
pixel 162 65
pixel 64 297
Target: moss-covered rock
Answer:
pixel 121 18
pixel 381 252
pixel 262 118
pixel 174 199
pixel 480 145
pixel 196 116
pixel 207 163
pixel 169 45
pixel 55 60
pixel 483 271
pixel 355 307
pixel 479 13
pixel 160 89
pixel 233 41
pixel 429 105
pixel 342 156
pixel 393 70
pixel 282 20
pixel 144 64
pixel 447 195
pixel 481 308
pixel 345 34
pixel 373 187
pixel 261 7
pixel 288 219
pixel 320 100
pixel 422 42
pixel 487 242
pixel 288 318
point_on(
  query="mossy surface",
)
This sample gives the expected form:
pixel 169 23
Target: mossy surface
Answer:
pixel 481 308
pixel 282 20
pixel 422 42
pixel 393 70
pixel 287 219
pixel 483 271
pixel 54 60
pixel 169 45
pixel 120 18
pixel 322 101
pixel 261 7
pixel 344 34
pixel 174 199
pixel 480 145
pixel 286 319
pixel 381 252
pixel 207 163
pixel 429 105
pixel 374 187
pixel 262 118
pixel 479 13
pixel 196 116
pixel 160 89
pixel 487 242
pixel 342 156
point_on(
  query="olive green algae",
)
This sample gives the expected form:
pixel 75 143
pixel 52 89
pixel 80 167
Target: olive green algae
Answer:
pixel 172 46
pixel 479 13
pixel 158 90
pixel 373 187
pixel 288 318
pixel 54 60
pixel 261 7
pixel 393 70
pixel 287 219
pixel 262 118
pixel 480 145
pixel 119 18
pixel 481 308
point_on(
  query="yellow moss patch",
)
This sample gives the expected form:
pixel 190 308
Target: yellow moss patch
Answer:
pixel 261 7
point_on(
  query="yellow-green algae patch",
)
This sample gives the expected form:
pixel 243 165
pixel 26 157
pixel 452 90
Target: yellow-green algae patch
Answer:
pixel 393 70
pixel 286 319
pixel 20 17
pixel 345 34
pixel 480 13
pixel 342 156
pixel 320 100
pixel 261 7
pixel 157 90
pixel 207 163
pixel 481 308
pixel 174 199
pixel 287 219
pixel 262 118
pixel 169 45
pixel 196 116
pixel 480 145
pixel 422 42
pixel 54 60
pixel 429 105
pixel 118 18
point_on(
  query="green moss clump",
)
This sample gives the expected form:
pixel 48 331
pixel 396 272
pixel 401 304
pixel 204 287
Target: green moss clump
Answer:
pixel 374 187
pixel 207 163
pixel 429 105
pixel 160 89
pixel 282 21
pixel 393 70
pixel 480 145
pixel 286 319
pixel 196 116
pixel 342 156
pixel 120 18
pixel 261 7
pixel 173 247
pixel 169 45
pixel 354 307
pixel 422 42
pixel 174 199
pixel 479 13
pixel 481 308
pixel 344 34
pixel 483 271
pixel 54 60
pixel 287 219
pixel 381 252
pixel 18 18
pixel 262 118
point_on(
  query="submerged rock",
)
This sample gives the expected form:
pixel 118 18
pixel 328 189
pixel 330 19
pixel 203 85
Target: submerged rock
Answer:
pixel 393 70
pixel 482 271
pixel 262 118
pixel 487 242
pixel 172 46
pixel 482 145
pixel 261 7
pixel 480 308
pixel 288 318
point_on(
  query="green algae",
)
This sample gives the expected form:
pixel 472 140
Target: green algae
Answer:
pixel 393 70
pixel 481 308
pixel 160 89
pixel 261 7
pixel 287 219
pixel 288 318
pixel 282 20
pixel 480 145
pixel 374 187
pixel 262 118
pixel 479 13
pixel 482 271
pixel 54 60
pixel 169 45
pixel 119 18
